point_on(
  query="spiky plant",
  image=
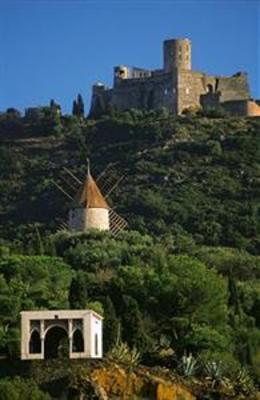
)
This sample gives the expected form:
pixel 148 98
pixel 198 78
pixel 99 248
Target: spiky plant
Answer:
pixel 243 382
pixel 121 352
pixel 188 366
pixel 215 374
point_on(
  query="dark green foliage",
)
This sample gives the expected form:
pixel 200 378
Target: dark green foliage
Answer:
pixel 197 173
pixel 186 279
pixel 21 389
pixel 28 283
pixel 78 107
pixel 78 292
pixel 111 324
pixel 133 326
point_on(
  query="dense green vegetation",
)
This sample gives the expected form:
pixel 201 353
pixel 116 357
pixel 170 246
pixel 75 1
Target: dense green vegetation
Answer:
pixel 184 278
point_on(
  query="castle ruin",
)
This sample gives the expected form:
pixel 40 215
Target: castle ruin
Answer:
pixel 175 87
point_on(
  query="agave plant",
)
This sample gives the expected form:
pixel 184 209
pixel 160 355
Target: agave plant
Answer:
pixel 243 382
pixel 122 352
pixel 187 366
pixel 214 369
pixel 214 373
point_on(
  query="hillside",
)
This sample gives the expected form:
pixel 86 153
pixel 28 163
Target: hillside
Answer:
pixel 180 289
pixel 199 175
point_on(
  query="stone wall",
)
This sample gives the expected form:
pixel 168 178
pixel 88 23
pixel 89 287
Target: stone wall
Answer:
pixel 235 87
pixel 145 94
pixel 190 85
pixel 176 91
pixel 242 108
pixel 100 101
pixel 193 87
pixel 253 109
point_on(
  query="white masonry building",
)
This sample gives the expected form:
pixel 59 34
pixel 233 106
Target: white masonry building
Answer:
pixel 49 334
pixel 92 210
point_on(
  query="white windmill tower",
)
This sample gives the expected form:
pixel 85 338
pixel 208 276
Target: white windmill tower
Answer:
pixel 90 209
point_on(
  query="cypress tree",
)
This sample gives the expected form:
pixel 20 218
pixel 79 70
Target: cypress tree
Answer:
pixel 133 327
pixel 78 108
pixel 81 108
pixel 75 108
pixel 111 323
pixel 78 292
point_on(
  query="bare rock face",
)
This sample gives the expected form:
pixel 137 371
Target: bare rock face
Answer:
pixel 124 383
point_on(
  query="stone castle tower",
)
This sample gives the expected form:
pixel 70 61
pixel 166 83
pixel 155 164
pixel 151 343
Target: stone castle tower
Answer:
pixel 176 54
pixel 91 210
pixel 175 87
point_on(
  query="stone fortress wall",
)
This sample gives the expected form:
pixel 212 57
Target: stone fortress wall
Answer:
pixel 175 87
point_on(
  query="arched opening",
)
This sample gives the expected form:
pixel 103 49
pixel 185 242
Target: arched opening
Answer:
pixel 216 85
pixel 210 88
pixel 56 343
pixel 78 342
pixel 35 343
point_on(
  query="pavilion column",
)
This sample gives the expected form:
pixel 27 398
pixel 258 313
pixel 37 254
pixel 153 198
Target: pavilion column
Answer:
pixel 42 336
pixel 70 337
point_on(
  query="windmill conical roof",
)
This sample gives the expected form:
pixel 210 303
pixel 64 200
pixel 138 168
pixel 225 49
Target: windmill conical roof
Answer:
pixel 90 195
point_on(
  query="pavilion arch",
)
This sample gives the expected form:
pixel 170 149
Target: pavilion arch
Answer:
pixel 55 324
pixel 35 342
pixel 50 334
pixel 56 342
pixel 77 341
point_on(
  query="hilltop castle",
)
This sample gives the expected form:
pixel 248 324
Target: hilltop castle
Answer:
pixel 175 87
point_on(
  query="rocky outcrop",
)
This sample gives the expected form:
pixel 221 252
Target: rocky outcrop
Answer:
pixel 123 383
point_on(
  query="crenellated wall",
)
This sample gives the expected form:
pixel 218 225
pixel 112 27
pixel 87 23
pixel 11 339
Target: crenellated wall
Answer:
pixel 175 87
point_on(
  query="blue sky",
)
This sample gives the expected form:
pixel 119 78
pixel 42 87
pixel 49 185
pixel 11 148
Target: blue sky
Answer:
pixel 56 49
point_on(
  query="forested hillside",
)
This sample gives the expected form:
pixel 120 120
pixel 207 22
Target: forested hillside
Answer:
pixel 180 288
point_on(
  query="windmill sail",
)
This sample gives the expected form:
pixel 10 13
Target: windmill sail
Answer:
pixel 84 192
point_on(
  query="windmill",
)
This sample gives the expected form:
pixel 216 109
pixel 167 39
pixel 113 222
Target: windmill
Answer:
pixel 90 208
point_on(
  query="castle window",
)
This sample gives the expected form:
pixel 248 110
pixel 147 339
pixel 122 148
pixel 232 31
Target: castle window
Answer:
pixel 166 91
pixel 187 90
pixel 210 88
